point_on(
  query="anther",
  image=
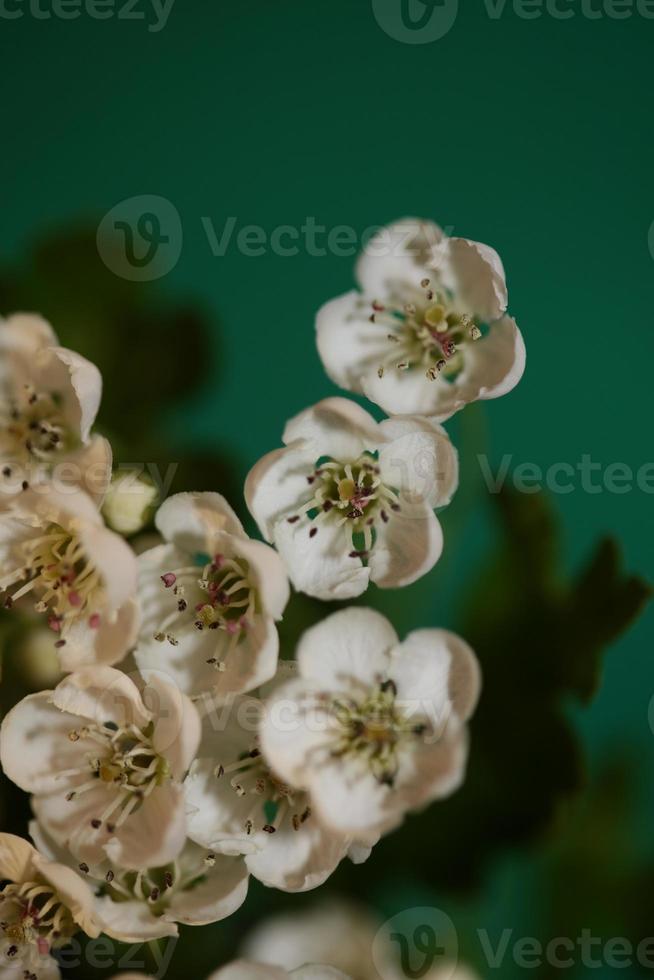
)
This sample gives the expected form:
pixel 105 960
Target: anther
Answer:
pixel 84 868
pixel 169 579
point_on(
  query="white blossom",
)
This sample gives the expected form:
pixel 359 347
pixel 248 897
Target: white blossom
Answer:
pixel 105 768
pixel 428 331
pixel 349 501
pixel 210 596
pixel 372 728
pixel 42 905
pixel 49 398
pixel 56 552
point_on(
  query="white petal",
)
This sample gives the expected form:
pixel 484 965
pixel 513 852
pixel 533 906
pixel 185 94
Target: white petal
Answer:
pixel 114 560
pixel 189 520
pixel 16 858
pixel 397 254
pixel 348 343
pixel 105 645
pixel 76 381
pixel 132 922
pixel 268 574
pixel 434 769
pixel 420 460
pixel 321 565
pixel 277 486
pixel 406 548
pixel 438 670
pixel 176 733
pixel 350 647
pixel 480 277
pixel 313 971
pixel 34 744
pixel 154 835
pixel 405 392
pixel 335 427
pixel 347 797
pixel 75 893
pixel 497 362
pixel 295 731
pixel 246 970
pixel 101 694
pixel 298 860
pixel 223 892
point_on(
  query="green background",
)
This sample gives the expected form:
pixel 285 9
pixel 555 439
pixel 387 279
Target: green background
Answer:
pixel 530 134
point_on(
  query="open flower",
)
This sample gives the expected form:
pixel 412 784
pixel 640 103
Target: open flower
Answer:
pixel 372 728
pixel 49 398
pixel 105 765
pixel 55 550
pixel 247 970
pixel 197 888
pixel 236 804
pixel 42 905
pixel 428 331
pixel 349 501
pixel 210 597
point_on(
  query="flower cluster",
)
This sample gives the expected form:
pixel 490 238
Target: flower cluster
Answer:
pixel 160 785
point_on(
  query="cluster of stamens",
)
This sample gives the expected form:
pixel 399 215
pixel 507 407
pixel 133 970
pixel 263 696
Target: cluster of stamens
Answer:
pixel 227 601
pixel 32 915
pixel 124 761
pixel 350 494
pixel 32 428
pixel 273 799
pixel 427 333
pixel 54 567
pixel 374 729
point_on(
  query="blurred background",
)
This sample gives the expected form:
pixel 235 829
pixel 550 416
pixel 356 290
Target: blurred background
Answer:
pixel 246 151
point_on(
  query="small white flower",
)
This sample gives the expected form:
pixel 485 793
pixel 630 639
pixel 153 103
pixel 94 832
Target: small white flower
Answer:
pixel 42 905
pixel 210 597
pixel 56 551
pixel 105 766
pixel 248 970
pixel 372 728
pixel 237 805
pixel 349 501
pixel 428 332
pixel 197 888
pixel 49 398
pixel 129 503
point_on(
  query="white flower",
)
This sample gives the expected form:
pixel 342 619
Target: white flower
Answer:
pixel 49 398
pixel 105 765
pixel 372 728
pixel 349 501
pixel 210 597
pixel 248 970
pixel 338 931
pixel 42 905
pixel 197 888
pixel 237 805
pixel 129 503
pixel 55 549
pixel 428 332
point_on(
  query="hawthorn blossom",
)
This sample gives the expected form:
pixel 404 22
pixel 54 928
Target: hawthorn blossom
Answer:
pixel 236 804
pixel 428 331
pixel 105 765
pixel 49 398
pixel 372 728
pixel 349 501
pixel 210 596
pixel 42 905
pixel 197 888
pixel 248 970
pixel 56 551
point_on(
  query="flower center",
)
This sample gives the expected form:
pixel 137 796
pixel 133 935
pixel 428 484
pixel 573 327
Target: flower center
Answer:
pixel 124 761
pixel 428 333
pixel 374 730
pixel 32 914
pixel 349 494
pixel 274 801
pixel 32 427
pixel 157 886
pixel 215 596
pixel 55 568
